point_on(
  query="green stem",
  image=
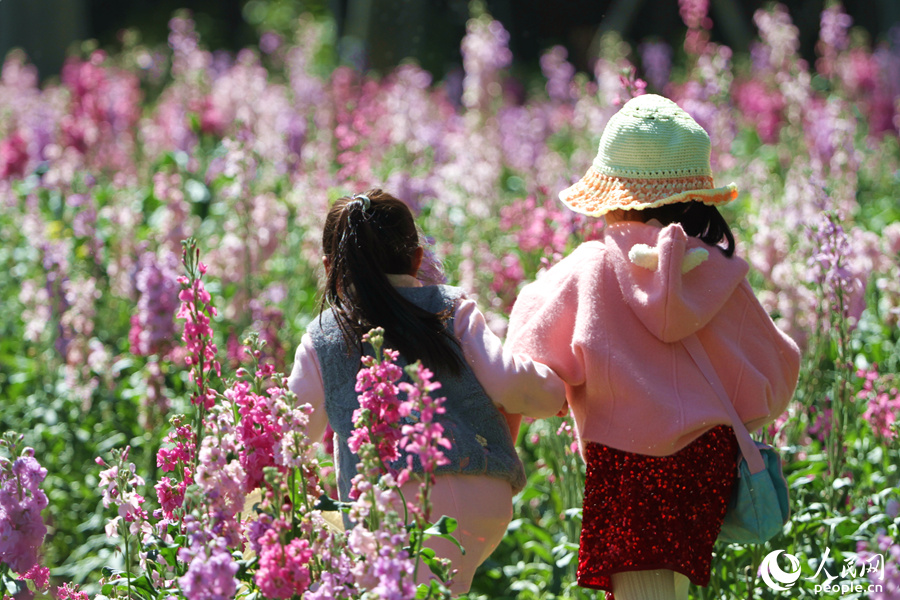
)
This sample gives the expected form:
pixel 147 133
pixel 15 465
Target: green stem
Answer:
pixel 304 484
pixel 420 541
pixel 124 527
pixel 839 391
pixel 403 501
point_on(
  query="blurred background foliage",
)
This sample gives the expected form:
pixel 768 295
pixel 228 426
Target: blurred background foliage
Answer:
pixel 380 34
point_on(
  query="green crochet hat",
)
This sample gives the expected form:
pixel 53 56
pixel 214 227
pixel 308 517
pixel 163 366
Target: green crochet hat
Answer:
pixel 651 153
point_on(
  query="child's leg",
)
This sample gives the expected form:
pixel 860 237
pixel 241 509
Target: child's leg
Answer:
pixel 658 584
pixel 681 586
pixel 482 507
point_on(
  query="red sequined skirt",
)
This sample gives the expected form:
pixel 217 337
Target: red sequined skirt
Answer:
pixel 655 512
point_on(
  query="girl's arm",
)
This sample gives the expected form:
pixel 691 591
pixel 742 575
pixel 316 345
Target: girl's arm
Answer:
pixel 306 382
pixel 519 385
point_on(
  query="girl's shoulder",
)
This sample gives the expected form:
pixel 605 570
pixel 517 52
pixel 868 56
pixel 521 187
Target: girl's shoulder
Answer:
pixel 582 261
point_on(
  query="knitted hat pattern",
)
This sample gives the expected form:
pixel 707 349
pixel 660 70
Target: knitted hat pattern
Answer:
pixel 651 153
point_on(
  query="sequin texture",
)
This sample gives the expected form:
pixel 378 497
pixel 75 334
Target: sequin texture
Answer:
pixel 655 512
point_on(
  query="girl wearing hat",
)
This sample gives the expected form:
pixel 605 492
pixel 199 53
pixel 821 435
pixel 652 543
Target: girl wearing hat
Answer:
pixel 610 319
pixel 372 257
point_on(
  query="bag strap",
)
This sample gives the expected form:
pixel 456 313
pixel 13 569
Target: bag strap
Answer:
pixel 748 447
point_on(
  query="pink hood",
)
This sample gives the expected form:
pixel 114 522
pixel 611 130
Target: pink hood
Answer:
pixel 650 265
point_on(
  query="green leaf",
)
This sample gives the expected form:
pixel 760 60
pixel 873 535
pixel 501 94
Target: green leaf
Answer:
pixel 566 560
pixel 539 549
pixel 573 513
pixel 328 504
pixel 443 526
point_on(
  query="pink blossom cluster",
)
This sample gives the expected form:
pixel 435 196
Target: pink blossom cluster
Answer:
pixel 120 483
pixel 695 14
pixel 833 37
pixel 196 310
pixel 386 569
pixel 544 231
pixel 882 399
pixel 424 438
pixel 283 568
pixel 70 592
pixel 22 529
pixel 292 448
pixel 257 433
pixel 176 455
pixel 220 476
pixel 103 112
pixel 379 406
pixel 13 156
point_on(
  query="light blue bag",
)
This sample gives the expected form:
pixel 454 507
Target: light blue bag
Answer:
pixel 759 505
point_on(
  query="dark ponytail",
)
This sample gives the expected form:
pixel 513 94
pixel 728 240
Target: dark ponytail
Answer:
pixel 365 238
pixel 699 220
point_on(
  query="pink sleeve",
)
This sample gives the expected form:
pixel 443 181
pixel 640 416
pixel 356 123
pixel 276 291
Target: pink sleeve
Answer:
pixel 513 381
pixel 305 381
pixel 543 325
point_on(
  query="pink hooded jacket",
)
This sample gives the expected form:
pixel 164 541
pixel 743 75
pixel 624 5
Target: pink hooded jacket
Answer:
pixel 609 319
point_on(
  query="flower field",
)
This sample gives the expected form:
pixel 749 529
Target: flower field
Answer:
pixel 160 219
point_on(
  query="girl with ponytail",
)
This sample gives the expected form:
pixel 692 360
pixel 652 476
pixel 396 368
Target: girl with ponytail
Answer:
pixel 373 260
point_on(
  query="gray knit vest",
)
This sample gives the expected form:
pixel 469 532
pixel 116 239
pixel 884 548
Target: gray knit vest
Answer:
pixel 482 444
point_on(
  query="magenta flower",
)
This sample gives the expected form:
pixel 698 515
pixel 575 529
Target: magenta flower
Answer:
pixel 70 592
pixel 38 574
pixel 257 433
pixel 283 569
pixel 379 403
pixel 13 156
pixel 170 495
pixel 177 449
pixel 197 311
pixel 763 106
